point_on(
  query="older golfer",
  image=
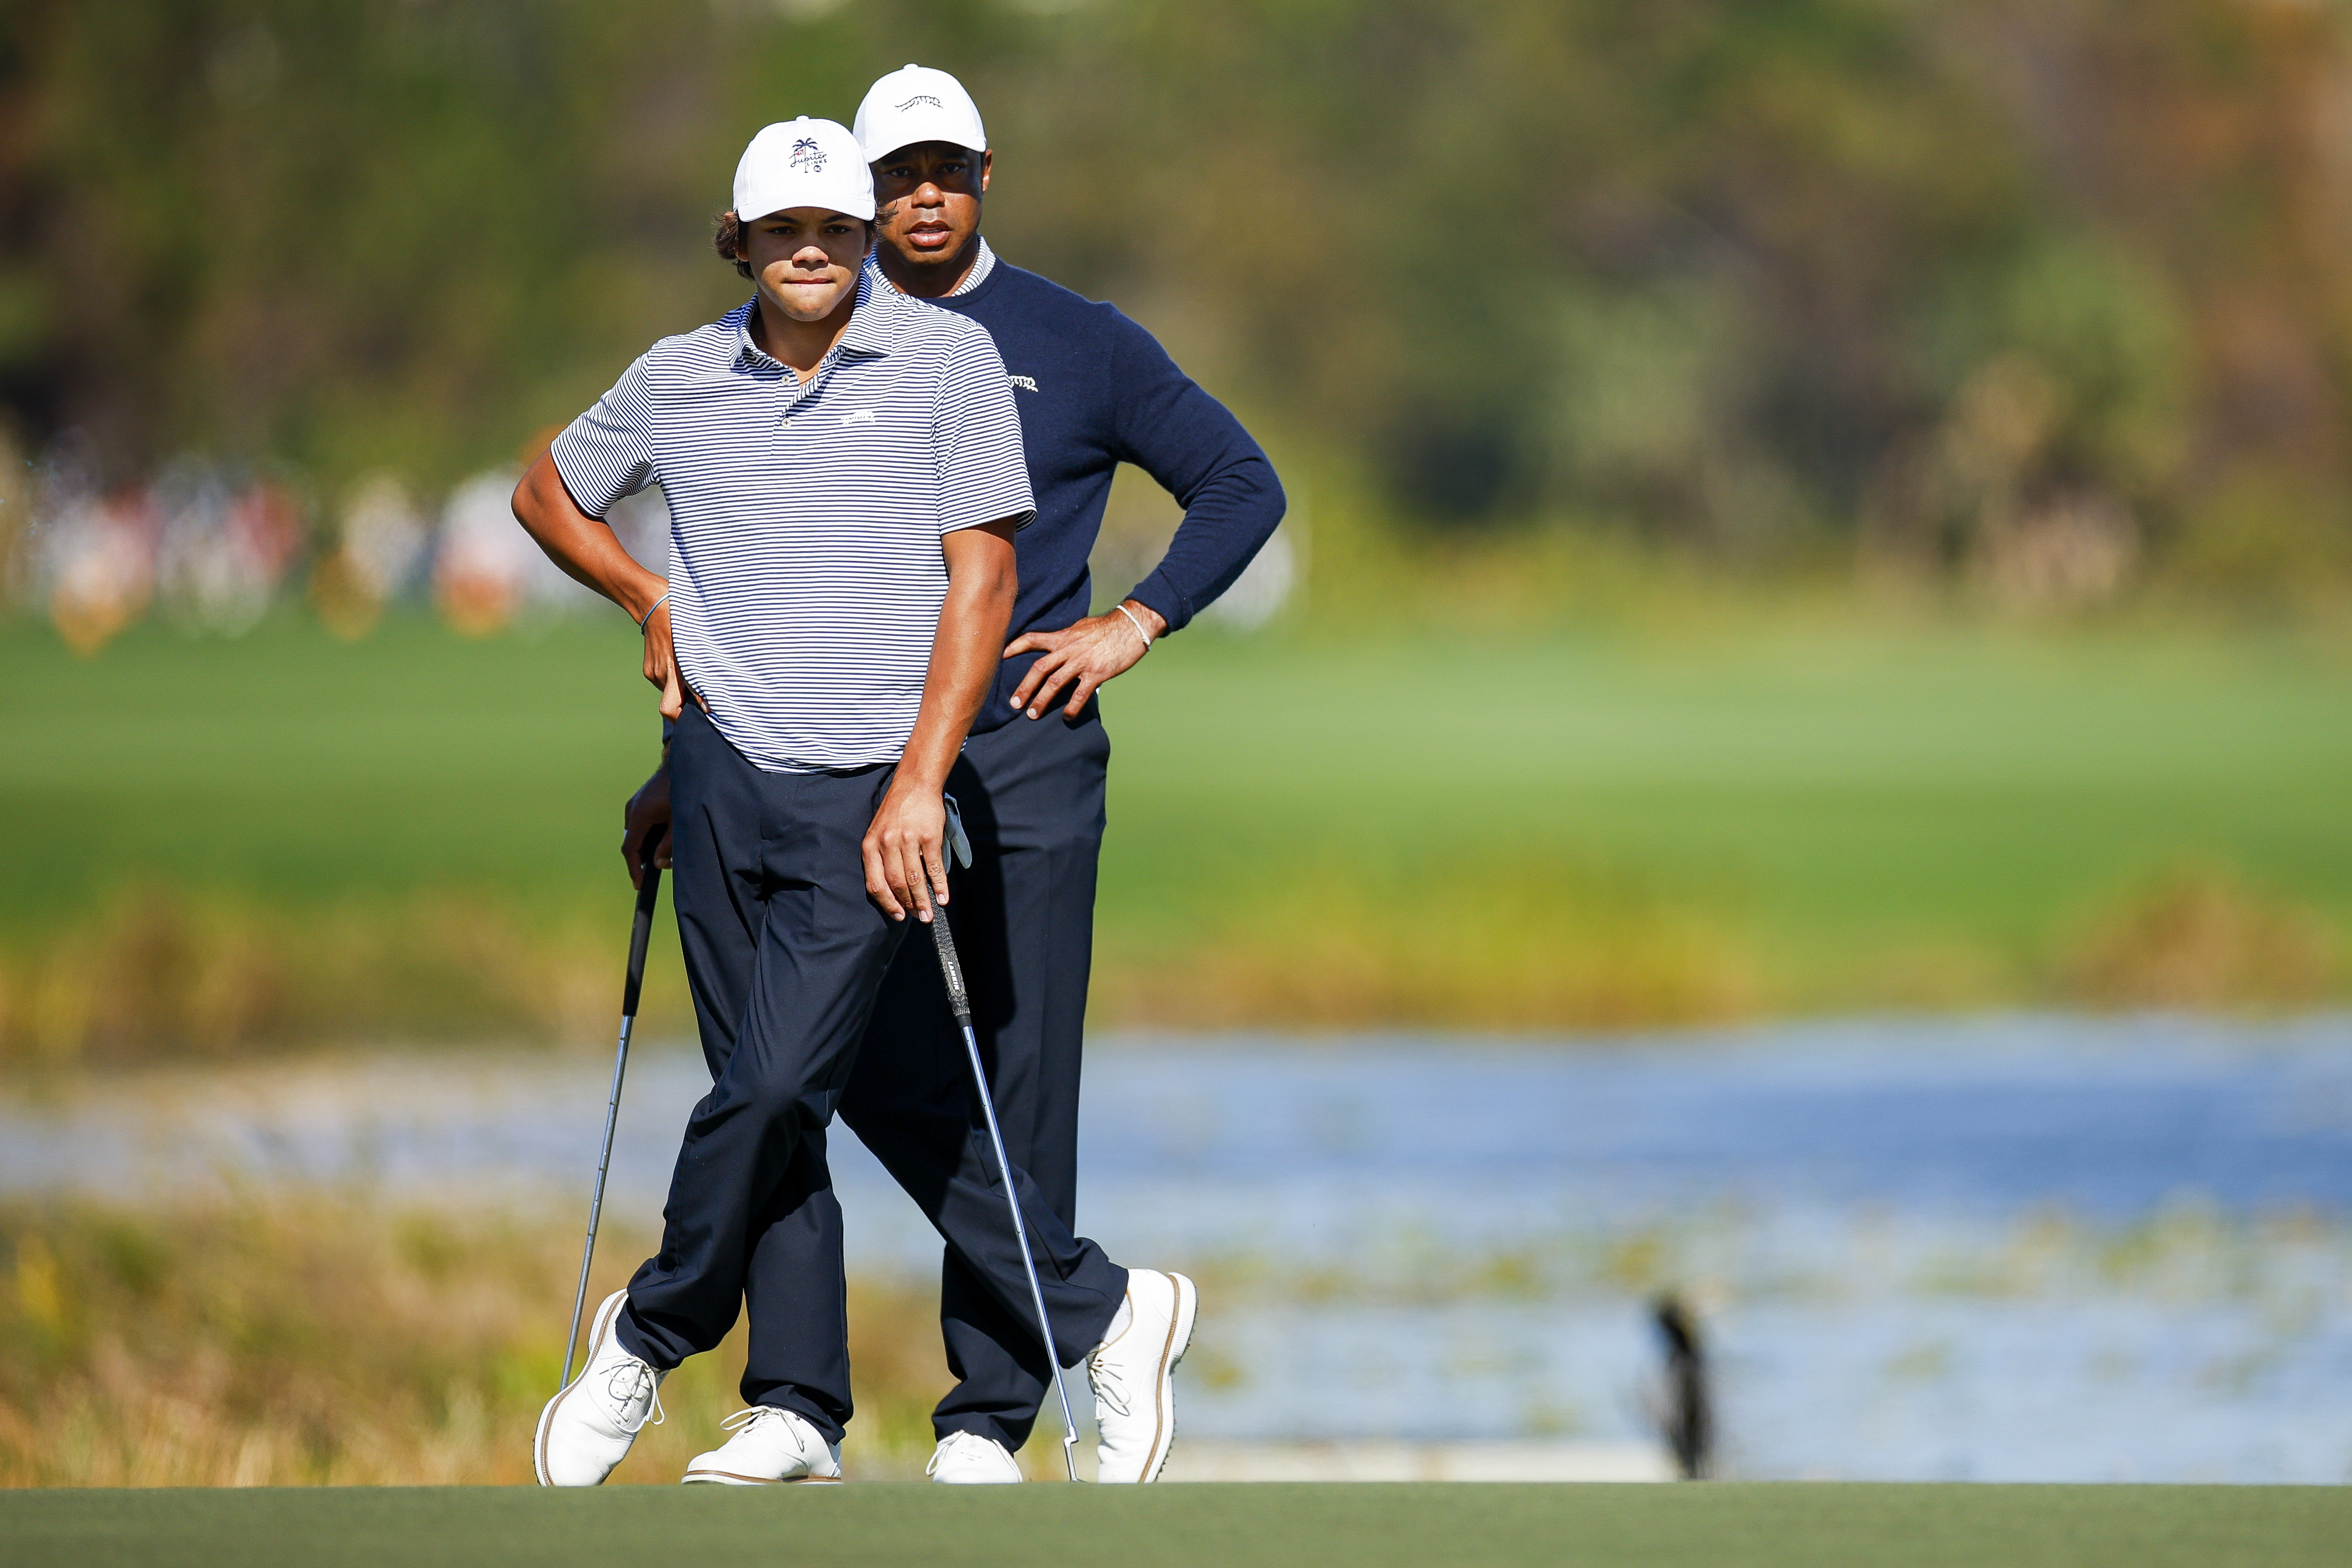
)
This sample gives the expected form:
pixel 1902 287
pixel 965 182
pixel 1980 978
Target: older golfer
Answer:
pixel 845 476
pixel 1095 390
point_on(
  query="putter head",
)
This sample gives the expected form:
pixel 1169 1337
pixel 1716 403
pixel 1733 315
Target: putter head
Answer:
pixel 959 842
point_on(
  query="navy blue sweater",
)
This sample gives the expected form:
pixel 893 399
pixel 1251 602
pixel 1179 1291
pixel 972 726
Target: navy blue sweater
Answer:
pixel 1095 391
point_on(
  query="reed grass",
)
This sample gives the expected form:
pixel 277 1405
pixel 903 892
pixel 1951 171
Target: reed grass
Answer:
pixel 292 1337
pixel 1551 944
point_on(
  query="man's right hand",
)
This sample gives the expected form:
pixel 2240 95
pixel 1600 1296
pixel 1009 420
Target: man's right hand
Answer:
pixel 647 809
pixel 661 670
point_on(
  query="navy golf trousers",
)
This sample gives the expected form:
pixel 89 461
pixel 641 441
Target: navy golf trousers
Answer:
pixel 785 956
pixel 1031 798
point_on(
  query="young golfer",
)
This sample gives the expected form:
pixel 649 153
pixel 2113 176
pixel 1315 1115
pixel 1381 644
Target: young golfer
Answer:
pixel 1095 391
pixel 843 472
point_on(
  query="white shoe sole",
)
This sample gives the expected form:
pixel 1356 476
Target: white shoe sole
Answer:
pixel 1180 1340
pixel 597 1330
pixel 730 1479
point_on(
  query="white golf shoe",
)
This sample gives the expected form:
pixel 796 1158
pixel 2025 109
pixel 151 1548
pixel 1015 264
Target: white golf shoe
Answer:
pixel 968 1459
pixel 770 1447
pixel 1132 1375
pixel 587 1429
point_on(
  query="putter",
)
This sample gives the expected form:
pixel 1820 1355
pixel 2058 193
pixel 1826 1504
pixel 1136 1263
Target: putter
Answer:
pixel 640 931
pixel 959 1000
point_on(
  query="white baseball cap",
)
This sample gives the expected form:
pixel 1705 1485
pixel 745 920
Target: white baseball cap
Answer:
pixel 915 104
pixel 804 163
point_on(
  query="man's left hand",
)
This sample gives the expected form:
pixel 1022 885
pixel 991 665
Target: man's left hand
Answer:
pixel 1087 652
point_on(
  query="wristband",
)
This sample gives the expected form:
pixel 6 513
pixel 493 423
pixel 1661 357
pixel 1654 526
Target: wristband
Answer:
pixel 645 620
pixel 1131 621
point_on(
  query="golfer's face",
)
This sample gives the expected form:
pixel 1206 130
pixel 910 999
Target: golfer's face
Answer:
pixel 805 258
pixel 929 197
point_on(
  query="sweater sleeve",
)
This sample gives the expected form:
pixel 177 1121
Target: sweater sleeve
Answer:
pixel 1165 425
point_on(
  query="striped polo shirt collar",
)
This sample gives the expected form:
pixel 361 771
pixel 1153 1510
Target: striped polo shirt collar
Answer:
pixel 982 265
pixel 872 327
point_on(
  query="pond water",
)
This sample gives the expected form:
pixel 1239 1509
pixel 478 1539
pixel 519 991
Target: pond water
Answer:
pixel 2026 1248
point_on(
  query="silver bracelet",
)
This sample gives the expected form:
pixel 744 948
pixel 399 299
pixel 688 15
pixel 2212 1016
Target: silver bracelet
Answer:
pixel 1131 621
pixel 649 615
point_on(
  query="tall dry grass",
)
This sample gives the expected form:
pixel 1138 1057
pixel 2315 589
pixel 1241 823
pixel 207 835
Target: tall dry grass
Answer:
pixel 299 1339
pixel 164 974
pixel 160 972
pixel 2203 937
pixel 1489 945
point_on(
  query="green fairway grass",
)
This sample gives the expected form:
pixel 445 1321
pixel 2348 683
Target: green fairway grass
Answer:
pixel 1420 830
pixel 1413 1526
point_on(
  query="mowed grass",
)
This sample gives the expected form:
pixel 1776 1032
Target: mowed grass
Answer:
pixel 1832 785
pixel 1716 1526
pixel 1511 830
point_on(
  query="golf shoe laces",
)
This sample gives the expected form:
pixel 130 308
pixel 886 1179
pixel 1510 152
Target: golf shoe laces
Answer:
pixel 744 1420
pixel 1106 1385
pixel 630 1381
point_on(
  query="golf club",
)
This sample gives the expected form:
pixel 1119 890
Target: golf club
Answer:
pixel 959 1000
pixel 640 930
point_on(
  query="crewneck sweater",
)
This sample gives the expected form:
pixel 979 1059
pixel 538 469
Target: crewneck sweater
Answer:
pixel 1095 390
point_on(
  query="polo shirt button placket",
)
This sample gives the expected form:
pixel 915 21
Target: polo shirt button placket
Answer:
pixel 801 391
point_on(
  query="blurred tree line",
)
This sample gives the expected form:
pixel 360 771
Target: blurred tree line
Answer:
pixel 2054 293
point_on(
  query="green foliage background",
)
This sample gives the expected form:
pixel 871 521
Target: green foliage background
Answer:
pixel 1770 279
pixel 1567 321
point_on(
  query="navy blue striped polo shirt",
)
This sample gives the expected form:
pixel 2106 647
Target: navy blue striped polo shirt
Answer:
pixel 806 575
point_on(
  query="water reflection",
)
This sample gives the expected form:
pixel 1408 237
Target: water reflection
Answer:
pixel 2024 1248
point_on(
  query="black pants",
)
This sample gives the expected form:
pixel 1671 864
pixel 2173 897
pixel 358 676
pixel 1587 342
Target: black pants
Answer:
pixel 785 956
pixel 1031 798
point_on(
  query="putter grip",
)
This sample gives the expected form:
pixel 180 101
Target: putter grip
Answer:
pixel 641 929
pixel 951 971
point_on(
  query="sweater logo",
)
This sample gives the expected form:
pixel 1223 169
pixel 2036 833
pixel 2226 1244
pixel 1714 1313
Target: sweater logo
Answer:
pixel 1022 382
pixel 807 158
pixel 858 416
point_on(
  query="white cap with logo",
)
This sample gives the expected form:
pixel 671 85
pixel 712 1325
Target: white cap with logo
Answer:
pixel 804 163
pixel 918 104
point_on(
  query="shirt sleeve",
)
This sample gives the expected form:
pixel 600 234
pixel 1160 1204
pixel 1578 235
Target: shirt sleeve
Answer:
pixel 1167 425
pixel 607 452
pixel 976 438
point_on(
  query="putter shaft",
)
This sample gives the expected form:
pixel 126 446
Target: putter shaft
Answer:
pixel 960 1001
pixel 640 933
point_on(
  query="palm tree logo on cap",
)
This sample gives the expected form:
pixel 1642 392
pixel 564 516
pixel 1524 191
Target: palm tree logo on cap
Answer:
pixel 807 156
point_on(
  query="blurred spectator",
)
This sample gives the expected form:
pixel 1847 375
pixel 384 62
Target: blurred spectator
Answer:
pixel 486 571
pixel 381 541
pixel 483 556
pixel 222 551
pixel 98 560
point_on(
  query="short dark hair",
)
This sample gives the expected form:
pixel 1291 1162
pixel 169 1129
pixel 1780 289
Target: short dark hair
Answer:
pixel 727 239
